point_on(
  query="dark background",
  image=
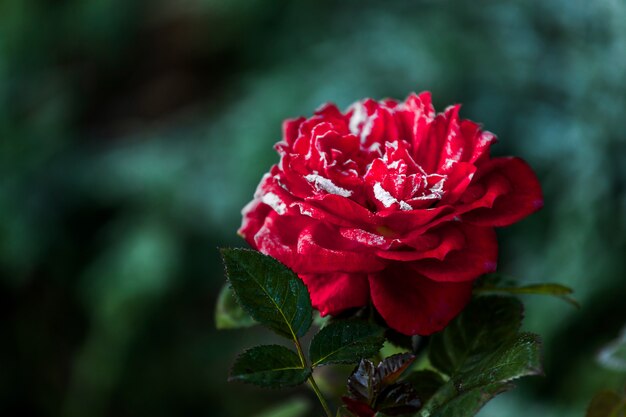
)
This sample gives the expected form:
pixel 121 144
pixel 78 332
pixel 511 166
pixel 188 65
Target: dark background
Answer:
pixel 132 133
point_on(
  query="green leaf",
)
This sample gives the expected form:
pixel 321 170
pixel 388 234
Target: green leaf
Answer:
pixel 270 366
pixel 607 404
pixel 499 284
pixel 514 359
pixel 425 382
pixel 269 291
pixel 486 323
pixel 228 313
pixel 469 403
pixel 482 351
pixel 345 342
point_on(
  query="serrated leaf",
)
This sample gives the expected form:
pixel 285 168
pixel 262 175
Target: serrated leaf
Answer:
pixel 470 402
pixel 486 323
pixel 402 341
pixel 345 342
pixel 269 291
pixel 228 312
pixel 425 382
pixel 270 366
pixel 514 359
pixel 607 404
pixel 482 352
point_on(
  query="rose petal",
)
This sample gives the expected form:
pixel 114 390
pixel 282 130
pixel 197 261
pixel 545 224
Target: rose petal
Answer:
pixel 322 249
pixel 290 129
pixel 436 244
pixel 413 304
pixel 478 141
pixel 521 197
pixel 351 212
pixel 310 247
pixel 411 221
pixel 278 241
pixel 478 256
pixel 457 181
pixel 254 214
pixel 335 292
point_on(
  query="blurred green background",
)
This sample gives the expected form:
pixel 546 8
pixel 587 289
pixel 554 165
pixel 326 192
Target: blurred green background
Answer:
pixel 132 133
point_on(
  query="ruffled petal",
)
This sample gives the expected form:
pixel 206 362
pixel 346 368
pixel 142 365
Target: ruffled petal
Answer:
pixel 512 193
pixel 322 249
pixel 310 247
pixel 478 255
pixel 435 244
pixel 254 214
pixel 413 304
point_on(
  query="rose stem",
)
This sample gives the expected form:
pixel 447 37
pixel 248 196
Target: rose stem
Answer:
pixel 320 396
pixel 312 380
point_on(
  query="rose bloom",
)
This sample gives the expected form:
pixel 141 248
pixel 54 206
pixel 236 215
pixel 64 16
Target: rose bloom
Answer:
pixel 389 203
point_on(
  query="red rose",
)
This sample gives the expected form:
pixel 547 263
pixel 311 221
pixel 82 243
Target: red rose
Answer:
pixel 389 203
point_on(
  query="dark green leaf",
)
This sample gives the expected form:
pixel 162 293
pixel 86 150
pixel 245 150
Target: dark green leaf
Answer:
pixel 269 291
pixel 484 325
pixel 228 313
pixel 607 404
pixel 514 359
pixel 497 284
pixel 345 342
pixel 425 382
pixel 482 352
pixel 270 366
pixel 469 403
pixel 399 340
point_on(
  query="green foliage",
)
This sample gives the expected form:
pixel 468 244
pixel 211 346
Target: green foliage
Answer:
pixel 270 366
pixel 228 312
pixel 468 403
pixel 481 351
pixel 345 342
pixel 481 328
pixel 269 291
pixel 426 382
